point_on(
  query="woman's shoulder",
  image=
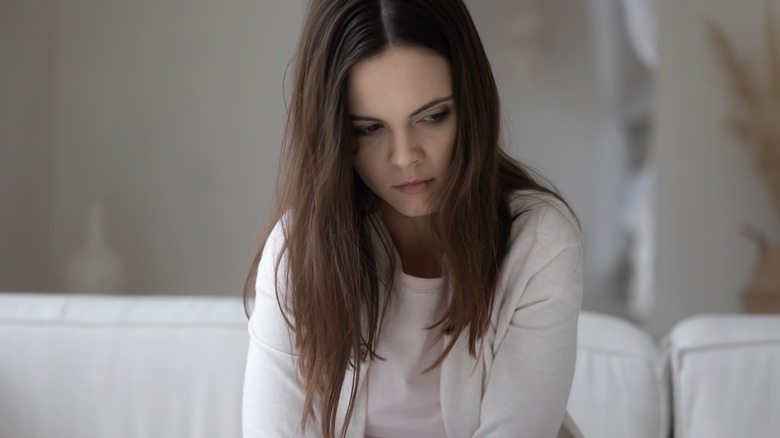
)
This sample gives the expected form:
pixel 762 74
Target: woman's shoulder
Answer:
pixel 273 249
pixel 276 236
pixel 541 215
pixel 545 236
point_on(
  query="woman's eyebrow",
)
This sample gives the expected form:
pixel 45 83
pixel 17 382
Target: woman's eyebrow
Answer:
pixel 430 104
pixel 414 113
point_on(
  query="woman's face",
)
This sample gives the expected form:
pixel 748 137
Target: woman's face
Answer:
pixel 403 116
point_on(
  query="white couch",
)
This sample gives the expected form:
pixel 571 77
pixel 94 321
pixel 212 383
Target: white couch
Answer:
pixel 145 367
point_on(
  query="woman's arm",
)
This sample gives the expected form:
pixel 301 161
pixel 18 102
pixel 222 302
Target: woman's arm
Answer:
pixel 273 389
pixel 535 348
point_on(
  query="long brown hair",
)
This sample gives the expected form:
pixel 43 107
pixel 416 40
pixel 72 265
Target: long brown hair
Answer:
pixel 333 272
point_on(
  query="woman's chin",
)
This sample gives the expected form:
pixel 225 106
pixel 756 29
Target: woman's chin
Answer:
pixel 407 211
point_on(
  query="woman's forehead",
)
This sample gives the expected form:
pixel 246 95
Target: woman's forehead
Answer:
pixel 399 80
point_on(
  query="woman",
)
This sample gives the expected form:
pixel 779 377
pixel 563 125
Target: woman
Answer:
pixel 416 280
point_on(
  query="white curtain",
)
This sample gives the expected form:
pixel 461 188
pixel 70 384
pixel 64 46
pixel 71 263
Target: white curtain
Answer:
pixel 625 54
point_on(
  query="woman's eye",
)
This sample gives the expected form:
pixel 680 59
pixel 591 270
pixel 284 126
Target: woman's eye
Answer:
pixel 438 117
pixel 367 130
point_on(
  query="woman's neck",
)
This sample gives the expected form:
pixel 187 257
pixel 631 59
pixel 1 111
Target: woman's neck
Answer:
pixel 414 242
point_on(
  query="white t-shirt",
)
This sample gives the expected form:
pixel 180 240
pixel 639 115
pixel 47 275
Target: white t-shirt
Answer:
pixel 402 401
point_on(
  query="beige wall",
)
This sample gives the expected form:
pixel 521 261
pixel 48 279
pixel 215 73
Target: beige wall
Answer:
pixel 706 188
pixel 171 112
pixel 27 50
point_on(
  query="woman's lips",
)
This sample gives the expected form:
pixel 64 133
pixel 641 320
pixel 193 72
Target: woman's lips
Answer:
pixel 414 187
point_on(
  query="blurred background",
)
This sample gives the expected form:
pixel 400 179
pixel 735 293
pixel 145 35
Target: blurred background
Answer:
pixel 145 135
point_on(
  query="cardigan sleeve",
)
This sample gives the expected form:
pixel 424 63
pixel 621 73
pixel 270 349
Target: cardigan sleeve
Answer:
pixel 534 350
pixel 273 389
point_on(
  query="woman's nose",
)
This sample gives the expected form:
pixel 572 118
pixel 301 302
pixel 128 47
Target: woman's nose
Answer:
pixel 405 152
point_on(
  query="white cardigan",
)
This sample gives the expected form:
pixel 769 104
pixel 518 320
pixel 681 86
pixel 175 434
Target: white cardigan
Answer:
pixel 520 385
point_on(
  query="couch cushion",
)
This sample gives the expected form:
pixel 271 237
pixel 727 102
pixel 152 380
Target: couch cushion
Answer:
pixel 121 367
pixel 620 385
pixel 726 376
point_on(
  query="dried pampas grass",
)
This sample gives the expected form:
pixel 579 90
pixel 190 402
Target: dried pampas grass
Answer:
pixel 754 114
pixel 754 117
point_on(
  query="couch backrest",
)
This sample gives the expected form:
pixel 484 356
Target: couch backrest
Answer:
pixel 173 367
pixel 620 386
pixel 726 376
pixel 120 367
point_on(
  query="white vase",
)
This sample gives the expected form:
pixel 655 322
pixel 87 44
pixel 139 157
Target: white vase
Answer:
pixel 763 293
pixel 95 268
